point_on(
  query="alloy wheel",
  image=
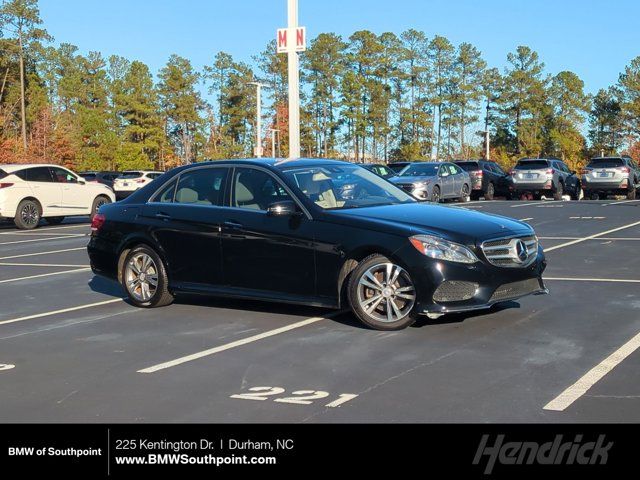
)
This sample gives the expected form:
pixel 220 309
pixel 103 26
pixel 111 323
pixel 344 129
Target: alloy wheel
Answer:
pixel 30 214
pixel 141 277
pixel 386 293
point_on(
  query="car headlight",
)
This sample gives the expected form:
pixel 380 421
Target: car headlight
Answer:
pixel 442 249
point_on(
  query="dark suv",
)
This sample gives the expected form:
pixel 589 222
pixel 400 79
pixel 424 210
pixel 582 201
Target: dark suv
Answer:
pixel 611 176
pixel 544 176
pixel 105 178
pixel 487 178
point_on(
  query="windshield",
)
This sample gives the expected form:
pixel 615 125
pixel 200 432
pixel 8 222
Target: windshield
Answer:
pixel 131 175
pixel 420 170
pixel 532 165
pixel 468 166
pixel 606 163
pixel 334 187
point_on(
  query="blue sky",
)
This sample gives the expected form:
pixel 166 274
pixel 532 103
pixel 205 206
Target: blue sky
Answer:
pixel 593 38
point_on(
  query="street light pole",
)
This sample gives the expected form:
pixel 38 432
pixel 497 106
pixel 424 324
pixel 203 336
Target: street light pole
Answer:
pixel 273 141
pixel 487 139
pixel 294 85
pixel 258 86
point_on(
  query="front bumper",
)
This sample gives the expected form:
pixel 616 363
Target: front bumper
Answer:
pixel 490 284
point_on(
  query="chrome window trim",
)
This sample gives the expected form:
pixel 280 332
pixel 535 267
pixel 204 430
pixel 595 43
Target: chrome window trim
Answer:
pixel 231 167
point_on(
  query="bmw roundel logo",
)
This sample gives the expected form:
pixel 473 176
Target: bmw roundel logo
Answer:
pixel 521 251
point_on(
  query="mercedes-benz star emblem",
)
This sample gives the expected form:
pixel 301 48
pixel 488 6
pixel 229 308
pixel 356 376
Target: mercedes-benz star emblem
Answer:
pixel 521 251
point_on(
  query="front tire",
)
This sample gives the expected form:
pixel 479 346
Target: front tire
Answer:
pixel 465 195
pixel 144 278
pixel 435 194
pixel 28 215
pixel 382 295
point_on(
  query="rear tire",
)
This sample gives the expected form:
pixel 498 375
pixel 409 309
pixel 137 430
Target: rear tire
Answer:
pixel 491 191
pixel 28 215
pixel 382 295
pixel 97 203
pixel 631 193
pixel 465 195
pixel 144 278
pixel 559 192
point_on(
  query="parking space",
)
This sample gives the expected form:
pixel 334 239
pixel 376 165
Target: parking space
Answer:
pixel 83 354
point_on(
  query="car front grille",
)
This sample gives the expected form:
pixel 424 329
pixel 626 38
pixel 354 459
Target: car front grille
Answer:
pixel 455 291
pixel 507 252
pixel 515 290
pixel 407 187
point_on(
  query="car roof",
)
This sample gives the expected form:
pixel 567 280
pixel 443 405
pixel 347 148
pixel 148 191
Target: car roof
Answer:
pixel 14 167
pixel 610 158
pixel 275 163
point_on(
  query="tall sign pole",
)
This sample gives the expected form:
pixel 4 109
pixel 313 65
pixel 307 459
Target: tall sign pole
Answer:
pixel 292 40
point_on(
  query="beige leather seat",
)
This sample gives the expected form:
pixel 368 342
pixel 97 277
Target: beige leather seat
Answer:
pixel 244 198
pixel 320 190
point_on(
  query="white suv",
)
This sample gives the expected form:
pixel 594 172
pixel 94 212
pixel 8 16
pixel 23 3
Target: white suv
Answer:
pixel 132 180
pixel 31 192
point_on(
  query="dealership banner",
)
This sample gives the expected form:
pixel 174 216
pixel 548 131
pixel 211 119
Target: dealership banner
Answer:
pixel 118 451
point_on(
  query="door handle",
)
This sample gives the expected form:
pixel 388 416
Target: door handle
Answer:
pixel 163 216
pixel 232 224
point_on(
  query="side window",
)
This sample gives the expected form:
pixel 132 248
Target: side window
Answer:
pixel 204 186
pixel 255 190
pixel 153 176
pixel 498 169
pixel 444 171
pixel 39 174
pixel 453 169
pixel 166 194
pixel 60 175
pixel 21 174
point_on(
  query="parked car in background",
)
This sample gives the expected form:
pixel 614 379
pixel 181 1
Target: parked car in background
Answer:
pixel 611 176
pixel 105 178
pixel 544 176
pixel 384 171
pixel 276 231
pixel 434 181
pixel 29 193
pixel 487 179
pixel 132 180
pixel 398 166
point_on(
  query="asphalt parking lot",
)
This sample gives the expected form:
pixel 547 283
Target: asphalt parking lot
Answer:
pixel 71 350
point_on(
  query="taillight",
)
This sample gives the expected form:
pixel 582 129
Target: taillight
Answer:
pixel 550 171
pixel 6 185
pixel 477 173
pixel 512 173
pixel 97 222
pixel 624 169
pixel 140 180
pixel 585 171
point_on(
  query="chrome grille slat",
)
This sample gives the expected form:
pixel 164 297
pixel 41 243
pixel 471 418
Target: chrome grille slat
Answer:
pixel 501 251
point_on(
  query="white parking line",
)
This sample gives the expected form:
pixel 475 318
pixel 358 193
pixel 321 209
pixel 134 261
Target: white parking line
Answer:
pixel 237 343
pixel 61 265
pixel 626 239
pixel 525 204
pixel 589 379
pixel 47 239
pixel 56 312
pixel 43 253
pixel 44 275
pixel 591 237
pixel 22 232
pixel 619 203
pixel 571 279
pixel 38 234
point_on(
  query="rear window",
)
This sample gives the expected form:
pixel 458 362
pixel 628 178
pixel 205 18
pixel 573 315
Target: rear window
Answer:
pixel 468 166
pixel 606 163
pixel 3 174
pixel 531 165
pixel 131 175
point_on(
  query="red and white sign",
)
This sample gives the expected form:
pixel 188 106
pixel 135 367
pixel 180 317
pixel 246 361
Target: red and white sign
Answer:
pixel 292 39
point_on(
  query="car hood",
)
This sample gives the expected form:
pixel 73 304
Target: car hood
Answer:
pixel 456 224
pixel 408 179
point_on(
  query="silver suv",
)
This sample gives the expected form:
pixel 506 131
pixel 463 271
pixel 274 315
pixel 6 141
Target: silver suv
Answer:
pixel 544 176
pixel 610 176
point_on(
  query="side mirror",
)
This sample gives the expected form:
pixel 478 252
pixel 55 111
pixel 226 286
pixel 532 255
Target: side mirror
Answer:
pixel 286 208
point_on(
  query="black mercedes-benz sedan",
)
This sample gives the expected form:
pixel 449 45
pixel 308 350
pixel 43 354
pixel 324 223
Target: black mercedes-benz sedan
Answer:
pixel 280 231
